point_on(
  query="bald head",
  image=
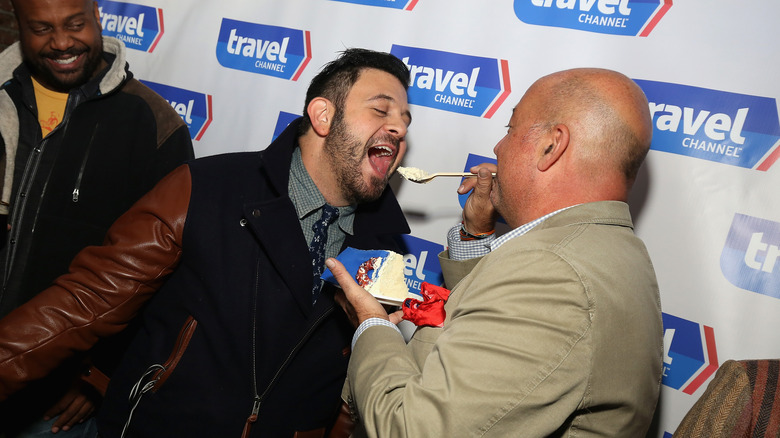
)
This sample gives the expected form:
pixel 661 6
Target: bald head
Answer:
pixel 576 136
pixel 607 114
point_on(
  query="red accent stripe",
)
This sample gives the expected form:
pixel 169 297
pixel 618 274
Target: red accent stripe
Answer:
pixel 709 336
pixel 411 5
pixel 658 16
pixel 162 30
pixel 770 160
pixel 208 120
pixel 507 90
pixel 308 56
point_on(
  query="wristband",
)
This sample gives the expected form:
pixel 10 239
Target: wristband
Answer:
pixel 465 235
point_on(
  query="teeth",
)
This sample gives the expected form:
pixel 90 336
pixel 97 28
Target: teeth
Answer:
pixel 386 151
pixel 66 61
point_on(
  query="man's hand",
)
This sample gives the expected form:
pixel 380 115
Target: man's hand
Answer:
pixel 479 215
pixel 358 304
pixel 76 405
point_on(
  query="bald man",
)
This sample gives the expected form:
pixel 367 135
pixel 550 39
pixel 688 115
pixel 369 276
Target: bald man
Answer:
pixel 553 329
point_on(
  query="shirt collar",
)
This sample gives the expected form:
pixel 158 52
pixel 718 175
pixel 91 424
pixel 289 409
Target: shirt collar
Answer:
pixel 307 198
pixel 522 229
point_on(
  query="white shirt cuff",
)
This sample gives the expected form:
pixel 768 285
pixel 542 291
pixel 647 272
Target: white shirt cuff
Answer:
pixel 467 249
pixel 371 322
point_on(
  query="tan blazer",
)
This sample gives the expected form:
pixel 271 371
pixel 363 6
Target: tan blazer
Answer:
pixel 555 333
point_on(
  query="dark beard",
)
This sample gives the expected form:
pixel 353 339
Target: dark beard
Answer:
pixel 44 75
pixel 345 153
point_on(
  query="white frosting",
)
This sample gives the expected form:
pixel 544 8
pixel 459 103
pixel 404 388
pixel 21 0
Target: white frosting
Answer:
pixel 412 173
pixel 387 277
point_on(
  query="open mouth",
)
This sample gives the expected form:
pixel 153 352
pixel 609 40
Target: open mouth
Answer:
pixel 65 62
pixel 381 158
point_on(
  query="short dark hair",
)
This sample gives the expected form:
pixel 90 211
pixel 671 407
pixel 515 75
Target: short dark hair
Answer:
pixel 337 77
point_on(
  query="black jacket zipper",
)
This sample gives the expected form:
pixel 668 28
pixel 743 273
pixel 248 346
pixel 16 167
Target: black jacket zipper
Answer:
pixel 84 164
pixel 258 398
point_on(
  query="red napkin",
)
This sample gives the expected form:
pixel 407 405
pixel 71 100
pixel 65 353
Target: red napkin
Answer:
pixel 429 311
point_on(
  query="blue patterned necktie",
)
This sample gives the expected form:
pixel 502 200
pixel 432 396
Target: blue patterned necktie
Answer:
pixel 317 246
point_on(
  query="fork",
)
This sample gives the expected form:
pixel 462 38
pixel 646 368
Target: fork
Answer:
pixel 422 177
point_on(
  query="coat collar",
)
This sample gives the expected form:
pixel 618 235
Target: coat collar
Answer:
pixel 601 212
pixel 276 158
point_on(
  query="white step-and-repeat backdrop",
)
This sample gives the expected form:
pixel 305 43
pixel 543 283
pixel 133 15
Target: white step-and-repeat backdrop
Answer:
pixel 705 203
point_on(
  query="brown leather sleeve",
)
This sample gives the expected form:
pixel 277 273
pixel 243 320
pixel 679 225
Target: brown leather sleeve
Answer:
pixel 104 289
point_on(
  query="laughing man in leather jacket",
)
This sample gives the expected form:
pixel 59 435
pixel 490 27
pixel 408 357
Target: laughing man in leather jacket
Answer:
pixel 65 185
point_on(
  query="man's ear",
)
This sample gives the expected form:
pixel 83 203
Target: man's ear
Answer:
pixel 97 15
pixel 558 141
pixel 320 112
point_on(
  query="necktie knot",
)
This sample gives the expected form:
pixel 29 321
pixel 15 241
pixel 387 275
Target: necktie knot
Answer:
pixel 329 215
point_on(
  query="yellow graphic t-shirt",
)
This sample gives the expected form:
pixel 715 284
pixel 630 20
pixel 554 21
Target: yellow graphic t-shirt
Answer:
pixel 51 107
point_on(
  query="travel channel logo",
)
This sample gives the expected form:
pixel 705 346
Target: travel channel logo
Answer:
pixel 453 82
pixel 750 257
pixel 615 17
pixel 282 121
pixel 690 356
pixel 406 5
pixel 421 262
pixel 193 107
pixel 729 128
pixel 266 50
pixel 139 27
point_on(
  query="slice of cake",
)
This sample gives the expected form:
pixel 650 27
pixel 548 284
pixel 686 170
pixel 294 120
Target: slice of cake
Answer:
pixel 379 272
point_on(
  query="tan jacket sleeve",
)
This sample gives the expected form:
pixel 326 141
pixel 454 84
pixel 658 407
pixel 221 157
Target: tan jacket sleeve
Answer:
pixel 103 291
pixel 454 270
pixel 487 372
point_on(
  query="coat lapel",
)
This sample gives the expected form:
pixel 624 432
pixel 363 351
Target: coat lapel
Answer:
pixel 277 229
